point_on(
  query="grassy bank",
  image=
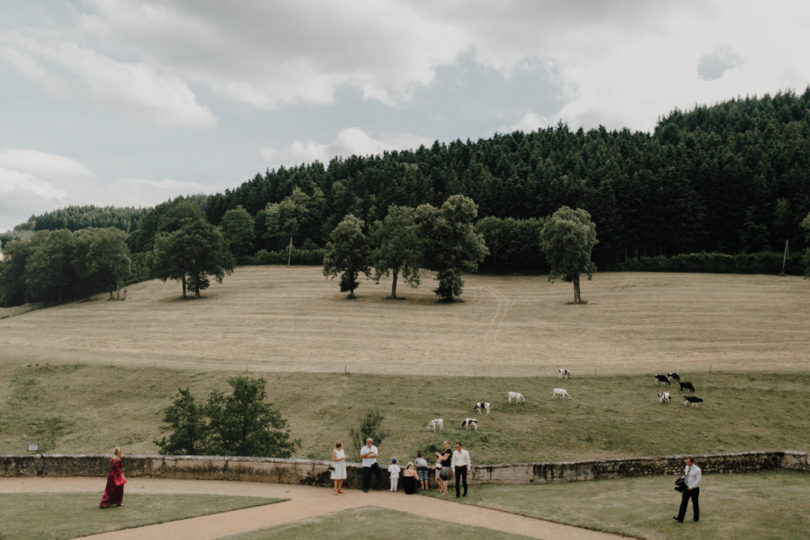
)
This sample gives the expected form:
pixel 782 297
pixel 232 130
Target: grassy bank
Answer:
pixel 52 516
pixel 744 506
pixel 90 409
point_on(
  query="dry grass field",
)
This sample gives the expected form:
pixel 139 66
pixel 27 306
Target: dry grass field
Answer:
pixel 282 319
pixel 84 376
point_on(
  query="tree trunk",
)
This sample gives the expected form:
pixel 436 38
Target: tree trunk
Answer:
pixel 394 282
pixel 577 296
pixel 183 281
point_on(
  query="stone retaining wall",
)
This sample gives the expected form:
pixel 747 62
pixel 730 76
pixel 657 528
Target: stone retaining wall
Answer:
pixel 313 472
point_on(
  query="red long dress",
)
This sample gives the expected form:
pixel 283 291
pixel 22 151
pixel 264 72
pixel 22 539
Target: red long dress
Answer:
pixel 113 495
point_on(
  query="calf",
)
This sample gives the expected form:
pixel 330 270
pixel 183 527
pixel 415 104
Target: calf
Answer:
pixel 470 423
pixel 674 377
pixel 560 393
pixel 691 400
pixel 661 379
pixel 436 423
pixel 517 396
pixel 482 406
pixel 664 397
pixel 563 373
pixel 687 386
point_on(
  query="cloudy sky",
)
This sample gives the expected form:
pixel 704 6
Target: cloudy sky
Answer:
pixel 132 102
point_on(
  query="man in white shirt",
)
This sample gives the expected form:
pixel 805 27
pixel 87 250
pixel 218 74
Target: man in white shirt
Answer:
pixel 369 456
pixel 460 464
pixel 692 477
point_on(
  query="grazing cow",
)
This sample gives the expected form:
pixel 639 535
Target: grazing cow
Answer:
pixel 482 406
pixel 470 423
pixel 661 379
pixel 664 397
pixel 691 400
pixel 674 377
pixel 560 393
pixel 436 423
pixel 563 373
pixel 687 386
pixel 517 396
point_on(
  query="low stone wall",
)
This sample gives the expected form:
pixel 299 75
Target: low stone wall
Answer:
pixel 313 472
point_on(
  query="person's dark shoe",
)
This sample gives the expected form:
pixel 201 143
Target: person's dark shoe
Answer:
pixel 678 520
pixel 457 495
pixel 697 520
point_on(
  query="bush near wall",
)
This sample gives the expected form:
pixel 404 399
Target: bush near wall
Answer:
pixel 764 262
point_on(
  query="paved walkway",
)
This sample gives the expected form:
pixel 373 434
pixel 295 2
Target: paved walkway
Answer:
pixel 304 502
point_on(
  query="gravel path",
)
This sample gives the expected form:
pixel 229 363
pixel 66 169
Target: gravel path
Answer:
pixel 304 502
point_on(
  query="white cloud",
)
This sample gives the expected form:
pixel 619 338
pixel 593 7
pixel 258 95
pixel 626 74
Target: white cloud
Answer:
pixel 33 182
pixel 529 122
pixel 133 89
pixel 350 141
pixel 33 70
pixel 42 163
pixel 267 54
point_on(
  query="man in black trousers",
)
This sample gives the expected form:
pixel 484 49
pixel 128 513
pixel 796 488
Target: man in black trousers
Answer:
pixel 691 476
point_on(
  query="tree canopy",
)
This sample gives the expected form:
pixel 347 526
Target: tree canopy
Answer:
pixel 347 254
pixel 567 239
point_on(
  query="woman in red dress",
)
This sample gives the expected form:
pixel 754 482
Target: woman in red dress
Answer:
pixel 114 492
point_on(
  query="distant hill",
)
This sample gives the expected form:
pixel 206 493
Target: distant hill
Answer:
pixel 732 177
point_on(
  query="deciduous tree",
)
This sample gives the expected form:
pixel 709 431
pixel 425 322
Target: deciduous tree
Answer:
pixel 450 244
pixel 396 248
pixel 567 239
pixel 347 254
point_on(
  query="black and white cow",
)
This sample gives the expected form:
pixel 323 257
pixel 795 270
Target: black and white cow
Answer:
pixel 674 377
pixel 691 400
pixel 470 423
pixel 563 373
pixel 687 386
pixel 663 379
pixel 482 406
pixel 664 397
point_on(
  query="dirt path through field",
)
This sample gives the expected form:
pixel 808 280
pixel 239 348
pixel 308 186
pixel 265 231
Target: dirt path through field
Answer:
pixel 304 503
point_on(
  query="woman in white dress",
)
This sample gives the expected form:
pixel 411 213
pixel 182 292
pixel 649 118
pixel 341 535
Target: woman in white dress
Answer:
pixel 338 467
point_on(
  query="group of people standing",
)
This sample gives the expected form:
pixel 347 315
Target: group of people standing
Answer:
pixel 449 464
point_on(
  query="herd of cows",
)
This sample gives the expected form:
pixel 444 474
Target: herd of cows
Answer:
pixel 666 397
pixel 516 398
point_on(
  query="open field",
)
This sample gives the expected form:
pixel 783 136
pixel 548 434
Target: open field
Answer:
pixel 27 516
pixel 89 408
pixel 767 505
pixel 282 319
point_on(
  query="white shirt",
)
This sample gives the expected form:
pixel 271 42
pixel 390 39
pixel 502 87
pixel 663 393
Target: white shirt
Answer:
pixel 461 459
pixel 369 461
pixel 393 470
pixel 692 476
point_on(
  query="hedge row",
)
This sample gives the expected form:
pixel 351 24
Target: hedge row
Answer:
pixel 764 262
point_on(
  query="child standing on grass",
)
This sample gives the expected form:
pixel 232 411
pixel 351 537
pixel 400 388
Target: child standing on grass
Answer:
pixel 393 473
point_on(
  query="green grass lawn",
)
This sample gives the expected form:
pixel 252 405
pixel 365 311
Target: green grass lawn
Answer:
pixel 373 523
pixel 743 506
pixel 27 516
pixel 90 409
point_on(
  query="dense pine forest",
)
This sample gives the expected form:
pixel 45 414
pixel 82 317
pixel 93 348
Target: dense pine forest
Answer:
pixel 731 178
